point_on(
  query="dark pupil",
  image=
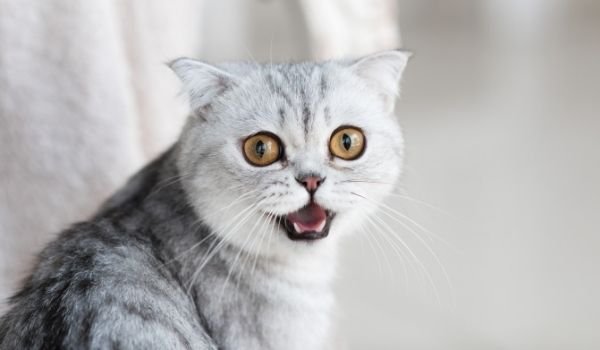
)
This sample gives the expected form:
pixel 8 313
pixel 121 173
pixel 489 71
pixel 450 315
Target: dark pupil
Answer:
pixel 346 141
pixel 261 148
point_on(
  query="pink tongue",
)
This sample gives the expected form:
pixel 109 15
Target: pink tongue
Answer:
pixel 309 218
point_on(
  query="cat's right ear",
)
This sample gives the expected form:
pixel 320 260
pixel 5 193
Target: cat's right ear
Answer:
pixel 383 70
pixel 202 81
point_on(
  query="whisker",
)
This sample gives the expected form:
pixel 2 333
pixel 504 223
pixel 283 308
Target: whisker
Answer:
pixel 417 201
pixel 409 229
pixel 415 263
pixel 390 231
pixel 367 181
pixel 248 252
pixel 234 202
pixel 370 243
pixel 268 219
pixel 394 211
pixel 383 253
pixel 396 249
pixel 169 181
pixel 216 246
pixel 237 256
pixel 210 235
pixel 278 224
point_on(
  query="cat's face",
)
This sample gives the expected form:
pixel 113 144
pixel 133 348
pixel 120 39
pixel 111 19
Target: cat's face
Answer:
pixel 287 156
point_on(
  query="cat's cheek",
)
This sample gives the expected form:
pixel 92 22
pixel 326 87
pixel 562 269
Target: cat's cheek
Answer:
pixel 346 224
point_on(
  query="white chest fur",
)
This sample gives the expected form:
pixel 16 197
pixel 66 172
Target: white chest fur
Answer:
pixel 272 306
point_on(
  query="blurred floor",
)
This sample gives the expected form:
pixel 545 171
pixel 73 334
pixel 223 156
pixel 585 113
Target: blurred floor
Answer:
pixel 501 112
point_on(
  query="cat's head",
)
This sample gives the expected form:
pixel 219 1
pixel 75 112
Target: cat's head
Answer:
pixel 284 157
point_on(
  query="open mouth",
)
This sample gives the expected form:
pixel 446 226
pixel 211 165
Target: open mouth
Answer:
pixel 309 223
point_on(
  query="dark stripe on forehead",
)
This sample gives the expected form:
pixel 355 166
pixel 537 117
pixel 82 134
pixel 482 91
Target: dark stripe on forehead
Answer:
pixel 327 115
pixel 323 86
pixel 306 114
pixel 302 87
pixel 278 90
pixel 306 118
pixel 281 117
pixel 271 83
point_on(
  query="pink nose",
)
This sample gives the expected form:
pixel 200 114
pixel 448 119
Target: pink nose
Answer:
pixel 311 182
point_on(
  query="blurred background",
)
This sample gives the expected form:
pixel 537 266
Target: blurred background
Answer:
pixel 501 114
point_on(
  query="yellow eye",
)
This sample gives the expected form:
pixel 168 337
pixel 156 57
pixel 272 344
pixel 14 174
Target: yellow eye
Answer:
pixel 262 149
pixel 347 143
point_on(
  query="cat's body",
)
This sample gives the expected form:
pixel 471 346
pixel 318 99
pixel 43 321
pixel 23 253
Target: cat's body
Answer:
pixel 192 252
pixel 127 272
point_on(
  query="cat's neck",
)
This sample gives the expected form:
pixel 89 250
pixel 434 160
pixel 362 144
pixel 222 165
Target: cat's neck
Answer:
pixel 259 302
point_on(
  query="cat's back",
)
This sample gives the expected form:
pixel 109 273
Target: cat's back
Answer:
pixel 100 286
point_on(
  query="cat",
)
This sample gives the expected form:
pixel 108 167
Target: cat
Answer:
pixel 228 240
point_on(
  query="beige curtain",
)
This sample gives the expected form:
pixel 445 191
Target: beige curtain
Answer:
pixel 84 101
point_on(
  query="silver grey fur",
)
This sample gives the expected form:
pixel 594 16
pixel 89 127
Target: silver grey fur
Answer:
pixel 188 254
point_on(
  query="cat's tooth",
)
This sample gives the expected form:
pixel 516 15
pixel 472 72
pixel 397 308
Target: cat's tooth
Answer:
pixel 322 225
pixel 297 228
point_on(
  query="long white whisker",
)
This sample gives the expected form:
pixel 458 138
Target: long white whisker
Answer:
pixel 410 220
pixel 210 235
pixel 415 234
pixel 418 201
pixel 383 253
pixel 404 260
pixel 263 234
pixel 390 231
pixel 278 224
pixel 248 252
pixel 427 246
pixel 370 243
pixel 237 256
pixel 215 247
pixel 387 230
pixel 242 197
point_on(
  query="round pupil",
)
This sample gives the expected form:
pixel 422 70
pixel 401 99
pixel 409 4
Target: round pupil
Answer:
pixel 261 148
pixel 346 141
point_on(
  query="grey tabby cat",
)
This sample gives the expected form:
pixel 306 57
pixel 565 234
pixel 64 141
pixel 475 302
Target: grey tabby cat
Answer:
pixel 228 240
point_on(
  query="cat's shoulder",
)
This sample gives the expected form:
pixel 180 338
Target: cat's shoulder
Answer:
pixel 98 283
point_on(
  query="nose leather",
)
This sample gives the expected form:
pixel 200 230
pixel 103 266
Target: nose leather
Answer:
pixel 310 182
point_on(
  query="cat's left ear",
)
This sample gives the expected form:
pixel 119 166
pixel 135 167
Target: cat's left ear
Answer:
pixel 202 81
pixel 383 70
